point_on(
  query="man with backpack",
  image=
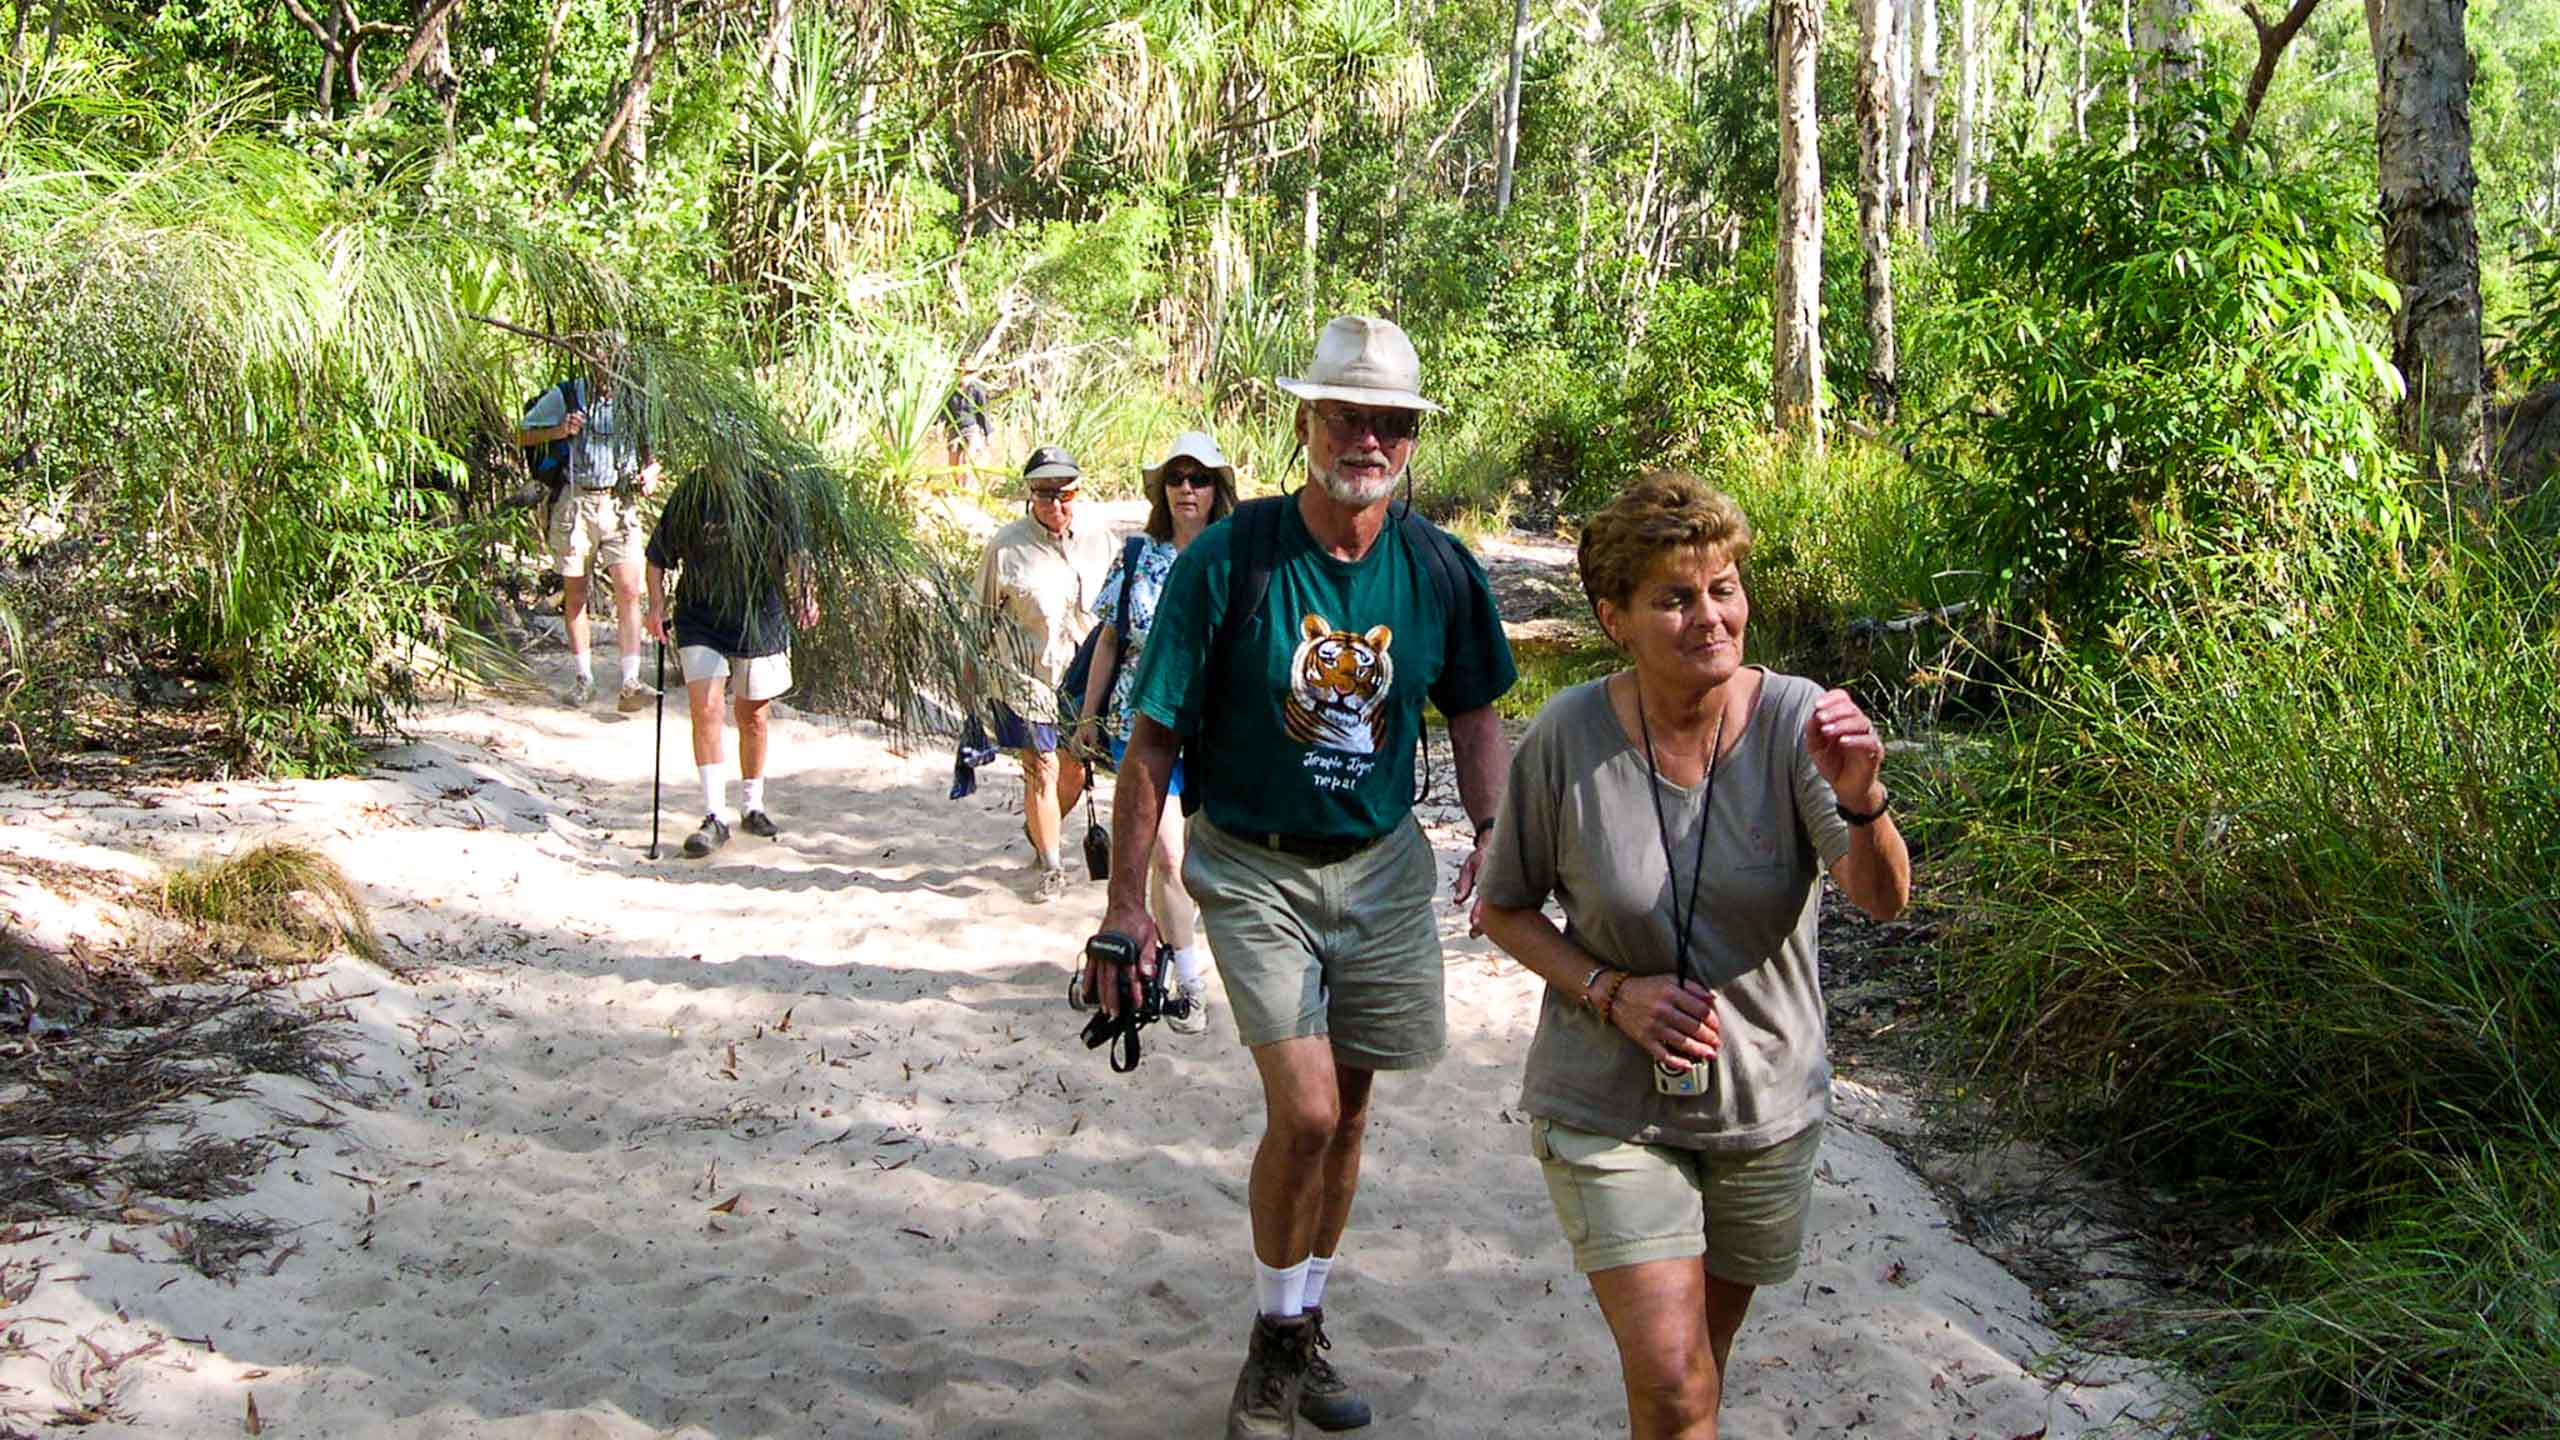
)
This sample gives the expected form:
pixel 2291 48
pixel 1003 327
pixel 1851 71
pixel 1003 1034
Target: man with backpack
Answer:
pixel 1291 654
pixel 597 471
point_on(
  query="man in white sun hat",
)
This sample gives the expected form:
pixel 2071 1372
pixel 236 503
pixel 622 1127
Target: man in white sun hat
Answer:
pixel 1291 654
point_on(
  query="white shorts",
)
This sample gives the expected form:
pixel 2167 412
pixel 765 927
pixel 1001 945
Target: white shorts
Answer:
pixel 760 677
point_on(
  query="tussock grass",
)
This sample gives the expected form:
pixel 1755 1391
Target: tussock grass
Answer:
pixel 285 901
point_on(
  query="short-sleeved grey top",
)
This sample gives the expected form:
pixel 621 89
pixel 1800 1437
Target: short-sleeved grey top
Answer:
pixel 1578 823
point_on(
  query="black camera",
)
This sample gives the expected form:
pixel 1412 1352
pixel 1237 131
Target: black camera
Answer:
pixel 1114 948
pixel 1097 851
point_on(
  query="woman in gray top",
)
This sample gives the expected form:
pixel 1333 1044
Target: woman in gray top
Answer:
pixel 1679 1083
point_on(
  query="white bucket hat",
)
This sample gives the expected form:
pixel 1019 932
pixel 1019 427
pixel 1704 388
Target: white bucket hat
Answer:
pixel 1196 445
pixel 1363 360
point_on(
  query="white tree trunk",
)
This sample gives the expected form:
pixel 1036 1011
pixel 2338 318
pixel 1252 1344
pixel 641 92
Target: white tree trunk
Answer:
pixel 2079 69
pixel 778 48
pixel 1968 100
pixel 1986 136
pixel 635 129
pixel 1897 111
pixel 1876 131
pixel 1796 359
pixel 1508 145
pixel 1925 76
pixel 2422 135
pixel 2164 34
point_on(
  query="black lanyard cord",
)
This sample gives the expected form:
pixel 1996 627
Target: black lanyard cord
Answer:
pixel 1681 921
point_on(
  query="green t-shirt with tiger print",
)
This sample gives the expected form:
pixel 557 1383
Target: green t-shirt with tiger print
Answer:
pixel 1309 728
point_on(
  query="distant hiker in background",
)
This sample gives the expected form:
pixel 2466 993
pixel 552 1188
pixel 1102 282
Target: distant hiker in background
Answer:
pixel 1037 584
pixel 745 583
pixel 965 431
pixel 601 471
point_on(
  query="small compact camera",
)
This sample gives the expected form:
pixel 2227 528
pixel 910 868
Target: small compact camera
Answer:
pixel 1097 851
pixel 1698 1079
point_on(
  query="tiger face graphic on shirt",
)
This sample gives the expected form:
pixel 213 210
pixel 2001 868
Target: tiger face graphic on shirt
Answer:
pixel 1338 687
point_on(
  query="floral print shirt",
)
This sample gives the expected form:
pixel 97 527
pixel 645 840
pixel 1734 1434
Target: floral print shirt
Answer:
pixel 1155 562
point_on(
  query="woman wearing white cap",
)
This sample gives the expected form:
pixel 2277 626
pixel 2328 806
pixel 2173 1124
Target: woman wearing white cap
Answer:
pixel 1191 488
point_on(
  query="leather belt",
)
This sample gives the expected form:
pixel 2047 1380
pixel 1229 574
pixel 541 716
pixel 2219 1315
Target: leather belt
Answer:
pixel 1304 847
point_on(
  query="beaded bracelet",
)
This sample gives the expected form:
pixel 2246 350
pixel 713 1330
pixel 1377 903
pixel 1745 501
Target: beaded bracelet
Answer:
pixel 1609 1002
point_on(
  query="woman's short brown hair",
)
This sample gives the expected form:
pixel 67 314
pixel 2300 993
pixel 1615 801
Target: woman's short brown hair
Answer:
pixel 1160 515
pixel 1663 511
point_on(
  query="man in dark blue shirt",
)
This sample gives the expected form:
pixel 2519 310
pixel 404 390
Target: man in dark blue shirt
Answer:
pixel 739 545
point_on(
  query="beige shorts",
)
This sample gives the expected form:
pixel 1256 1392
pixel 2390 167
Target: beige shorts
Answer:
pixel 1349 950
pixel 590 529
pixel 1623 1204
pixel 760 677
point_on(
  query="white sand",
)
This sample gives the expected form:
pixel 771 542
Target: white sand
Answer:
pixel 950 1218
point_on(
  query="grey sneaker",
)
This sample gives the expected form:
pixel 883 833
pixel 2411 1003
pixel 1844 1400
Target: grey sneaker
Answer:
pixel 1325 1399
pixel 1187 1013
pixel 1266 1401
pixel 581 692
pixel 635 697
pixel 1053 883
pixel 713 834
pixel 760 825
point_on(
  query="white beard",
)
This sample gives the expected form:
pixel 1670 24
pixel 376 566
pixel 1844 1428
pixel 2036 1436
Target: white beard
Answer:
pixel 1356 494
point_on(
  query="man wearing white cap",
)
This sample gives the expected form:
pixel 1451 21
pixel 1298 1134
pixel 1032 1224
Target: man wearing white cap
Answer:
pixel 1037 584
pixel 1291 654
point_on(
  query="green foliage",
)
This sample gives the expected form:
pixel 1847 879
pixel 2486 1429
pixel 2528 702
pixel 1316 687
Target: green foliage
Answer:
pixel 288 901
pixel 2158 353
pixel 2272 903
pixel 2441 1325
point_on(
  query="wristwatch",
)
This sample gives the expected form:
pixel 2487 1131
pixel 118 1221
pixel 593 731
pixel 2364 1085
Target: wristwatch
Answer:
pixel 1864 817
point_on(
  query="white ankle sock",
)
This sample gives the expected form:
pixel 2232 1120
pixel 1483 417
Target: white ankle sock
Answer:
pixel 585 660
pixel 630 671
pixel 753 799
pixel 1189 964
pixel 712 786
pixel 1279 1293
pixel 1318 1267
pixel 1049 860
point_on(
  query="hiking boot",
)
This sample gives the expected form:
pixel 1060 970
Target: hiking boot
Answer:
pixel 1053 883
pixel 760 825
pixel 713 834
pixel 1265 1406
pixel 581 691
pixel 1325 1399
pixel 1187 1013
pixel 635 697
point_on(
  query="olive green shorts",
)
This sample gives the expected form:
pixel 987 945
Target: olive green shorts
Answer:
pixel 1349 950
pixel 1623 1203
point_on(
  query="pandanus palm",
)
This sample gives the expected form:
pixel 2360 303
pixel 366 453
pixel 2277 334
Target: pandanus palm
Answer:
pixel 1036 77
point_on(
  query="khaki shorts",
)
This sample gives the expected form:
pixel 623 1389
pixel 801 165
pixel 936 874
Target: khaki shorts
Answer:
pixel 1349 950
pixel 758 678
pixel 1623 1204
pixel 593 529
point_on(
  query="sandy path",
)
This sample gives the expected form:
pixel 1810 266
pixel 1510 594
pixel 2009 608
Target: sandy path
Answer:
pixel 949 1218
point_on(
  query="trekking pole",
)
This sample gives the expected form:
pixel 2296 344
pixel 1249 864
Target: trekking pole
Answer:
pixel 658 761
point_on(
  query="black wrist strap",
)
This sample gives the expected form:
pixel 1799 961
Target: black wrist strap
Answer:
pixel 1863 817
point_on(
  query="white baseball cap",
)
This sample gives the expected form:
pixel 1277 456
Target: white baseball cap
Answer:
pixel 1195 445
pixel 1363 360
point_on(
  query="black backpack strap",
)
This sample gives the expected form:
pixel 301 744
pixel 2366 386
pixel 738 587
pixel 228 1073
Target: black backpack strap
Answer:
pixel 1439 556
pixel 1129 553
pixel 1253 551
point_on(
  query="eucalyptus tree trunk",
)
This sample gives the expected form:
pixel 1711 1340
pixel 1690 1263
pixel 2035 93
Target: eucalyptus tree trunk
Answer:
pixel 1796 355
pixel 1897 110
pixel 550 49
pixel 776 51
pixel 1308 221
pixel 2165 36
pixel 1922 177
pixel 635 124
pixel 1968 100
pixel 1507 145
pixel 2422 137
pixel 1986 137
pixel 2079 69
pixel 1875 196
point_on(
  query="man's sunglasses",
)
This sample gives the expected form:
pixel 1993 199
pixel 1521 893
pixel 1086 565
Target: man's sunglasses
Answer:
pixel 1349 423
pixel 1061 493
